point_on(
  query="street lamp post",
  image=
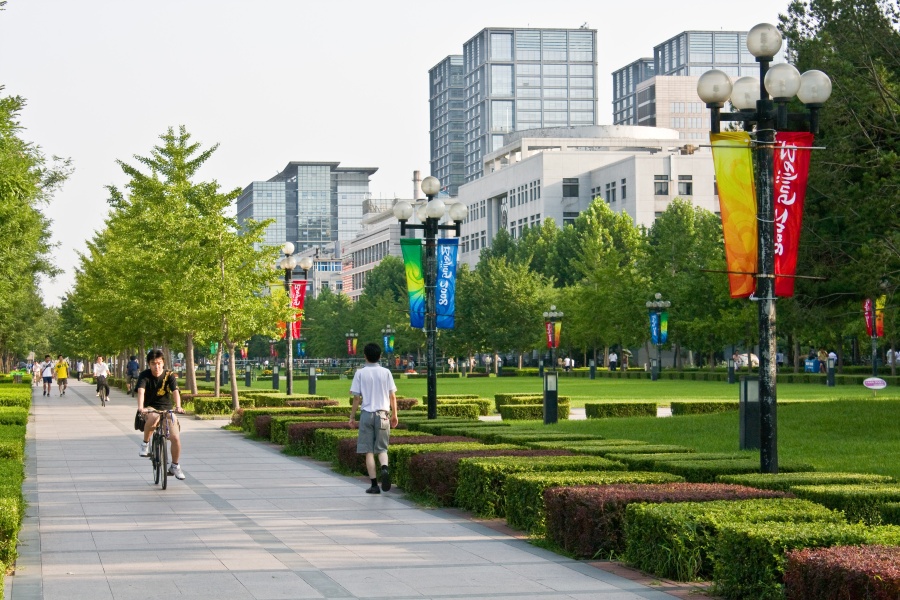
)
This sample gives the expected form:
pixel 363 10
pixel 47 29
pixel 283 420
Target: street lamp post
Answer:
pixel 430 215
pixel 288 263
pixel 387 336
pixel 655 308
pixel 751 98
pixel 552 318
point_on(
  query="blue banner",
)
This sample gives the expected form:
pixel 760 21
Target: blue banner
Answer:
pixel 446 282
pixel 301 349
pixel 388 343
pixel 654 328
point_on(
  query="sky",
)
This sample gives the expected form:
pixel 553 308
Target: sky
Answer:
pixel 274 81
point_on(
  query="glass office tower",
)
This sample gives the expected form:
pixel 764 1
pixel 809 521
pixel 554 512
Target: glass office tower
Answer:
pixel 313 204
pixel 515 79
pixel 448 126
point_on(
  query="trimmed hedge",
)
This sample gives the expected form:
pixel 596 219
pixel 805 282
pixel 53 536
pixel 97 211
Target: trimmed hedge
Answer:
pixel 524 492
pixel 589 522
pixel 301 436
pixel 860 502
pixel 701 408
pixel 399 456
pixel 529 412
pixel 10 521
pixel 751 559
pixel 485 406
pixel 706 471
pixel 278 433
pixel 419 422
pixel 481 480
pixel 12 442
pixel 785 481
pixel 13 415
pixel 843 572
pixel 606 410
pixel 648 462
pixel 248 415
pixel 465 411
pixel 16 394
pixel 524 398
pixel 890 513
pixel 676 541
pixel 435 475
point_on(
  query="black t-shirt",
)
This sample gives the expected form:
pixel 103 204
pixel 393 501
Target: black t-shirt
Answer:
pixel 157 390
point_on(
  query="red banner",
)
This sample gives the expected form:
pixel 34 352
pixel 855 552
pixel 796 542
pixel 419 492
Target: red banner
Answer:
pixel 351 346
pixel 791 173
pixel 298 295
pixel 553 329
pixel 874 313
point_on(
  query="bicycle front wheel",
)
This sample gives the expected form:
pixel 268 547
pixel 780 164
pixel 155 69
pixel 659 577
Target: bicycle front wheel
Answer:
pixel 154 459
pixel 164 460
pixel 102 396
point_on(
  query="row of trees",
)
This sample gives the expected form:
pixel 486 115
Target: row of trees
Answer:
pixel 169 268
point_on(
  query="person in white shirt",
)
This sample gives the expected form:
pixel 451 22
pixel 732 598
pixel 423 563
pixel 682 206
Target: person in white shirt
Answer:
pixel 101 372
pixel 79 368
pixel 613 360
pixel 373 387
pixel 47 374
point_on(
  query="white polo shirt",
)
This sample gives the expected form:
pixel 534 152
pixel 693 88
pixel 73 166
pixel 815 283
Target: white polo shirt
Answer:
pixel 375 384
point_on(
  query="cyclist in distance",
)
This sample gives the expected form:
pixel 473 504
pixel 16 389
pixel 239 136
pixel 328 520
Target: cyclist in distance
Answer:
pixel 101 372
pixel 158 389
pixel 133 369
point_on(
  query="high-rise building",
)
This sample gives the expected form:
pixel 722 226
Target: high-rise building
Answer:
pixel 313 204
pixel 515 79
pixel 448 122
pixel 662 91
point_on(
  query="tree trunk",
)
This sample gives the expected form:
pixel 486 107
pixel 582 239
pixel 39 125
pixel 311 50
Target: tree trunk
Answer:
pixel 218 381
pixel 232 375
pixel 796 356
pixel 190 377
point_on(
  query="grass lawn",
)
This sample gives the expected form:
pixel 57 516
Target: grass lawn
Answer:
pixel 840 428
pixel 583 390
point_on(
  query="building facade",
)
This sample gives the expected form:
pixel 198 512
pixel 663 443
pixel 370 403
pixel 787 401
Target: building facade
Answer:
pixel 312 204
pixel 636 170
pixel 448 127
pixel 662 91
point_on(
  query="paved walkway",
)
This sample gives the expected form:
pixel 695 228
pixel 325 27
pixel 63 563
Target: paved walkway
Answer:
pixel 250 523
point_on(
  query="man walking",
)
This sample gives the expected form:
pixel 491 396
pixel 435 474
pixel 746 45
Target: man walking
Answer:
pixel 374 387
pixel 62 374
pixel 47 373
pixel 79 368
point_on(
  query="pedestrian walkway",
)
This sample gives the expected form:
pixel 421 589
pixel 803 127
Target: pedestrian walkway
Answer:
pixel 250 523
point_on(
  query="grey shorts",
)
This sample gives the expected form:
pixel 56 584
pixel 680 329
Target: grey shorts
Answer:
pixel 372 438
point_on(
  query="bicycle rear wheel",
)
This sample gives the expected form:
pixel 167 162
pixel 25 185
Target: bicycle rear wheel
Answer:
pixel 164 460
pixel 154 458
pixel 102 396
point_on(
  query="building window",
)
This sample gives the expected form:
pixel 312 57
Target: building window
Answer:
pixel 570 187
pixel 624 194
pixel 569 218
pixel 660 185
pixel 685 185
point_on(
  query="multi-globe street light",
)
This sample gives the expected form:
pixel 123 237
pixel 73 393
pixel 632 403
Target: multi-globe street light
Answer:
pixel 655 308
pixel 763 103
pixel 430 214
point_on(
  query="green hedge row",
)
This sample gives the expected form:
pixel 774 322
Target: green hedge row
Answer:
pixel 524 492
pixel 13 415
pixel 707 471
pixel 785 481
pixel 676 540
pixel 619 409
pixel 399 456
pixel 15 400
pixel 16 394
pixel 350 462
pixel 701 408
pixel 512 399
pixel 481 480
pixel 464 411
pixel 860 502
pixel 530 412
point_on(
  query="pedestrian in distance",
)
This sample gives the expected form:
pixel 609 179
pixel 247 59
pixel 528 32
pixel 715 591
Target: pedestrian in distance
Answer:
pixel 613 360
pixel 79 368
pixel 47 373
pixel 35 373
pixel 61 370
pixel 374 391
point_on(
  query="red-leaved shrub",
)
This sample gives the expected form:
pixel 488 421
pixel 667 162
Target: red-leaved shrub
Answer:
pixel 313 403
pixel 841 572
pixel 300 435
pixel 589 521
pixel 356 463
pixel 436 474
pixel 263 426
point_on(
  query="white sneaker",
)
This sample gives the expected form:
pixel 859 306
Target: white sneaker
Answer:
pixel 176 471
pixel 145 449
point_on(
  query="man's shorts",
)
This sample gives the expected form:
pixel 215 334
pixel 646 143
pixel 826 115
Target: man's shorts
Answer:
pixel 48 380
pixel 372 438
pixel 62 380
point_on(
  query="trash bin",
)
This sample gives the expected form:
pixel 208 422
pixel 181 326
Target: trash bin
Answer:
pixel 749 413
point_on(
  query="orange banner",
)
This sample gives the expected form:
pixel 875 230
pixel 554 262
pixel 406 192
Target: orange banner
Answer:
pixel 737 202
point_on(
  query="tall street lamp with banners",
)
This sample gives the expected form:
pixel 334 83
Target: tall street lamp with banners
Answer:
pixel 430 214
pixel 761 181
pixel 658 330
pixel 553 329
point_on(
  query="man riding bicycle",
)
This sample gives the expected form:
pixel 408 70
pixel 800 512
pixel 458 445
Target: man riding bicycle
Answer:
pixel 133 369
pixel 101 372
pixel 158 389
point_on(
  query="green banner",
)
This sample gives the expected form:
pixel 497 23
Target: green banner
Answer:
pixel 415 280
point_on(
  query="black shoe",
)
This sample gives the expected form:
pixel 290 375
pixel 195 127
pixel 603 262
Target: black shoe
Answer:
pixel 373 490
pixel 385 478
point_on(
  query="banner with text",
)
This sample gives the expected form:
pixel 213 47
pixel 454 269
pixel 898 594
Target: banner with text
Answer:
pixel 415 281
pixel 874 313
pixel 733 164
pixel 351 346
pixel 553 329
pixel 792 150
pixel 446 282
pixel 388 343
pixel 298 295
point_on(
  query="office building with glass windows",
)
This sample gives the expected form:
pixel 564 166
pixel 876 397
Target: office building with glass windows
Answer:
pixel 448 126
pixel 662 91
pixel 513 80
pixel 312 204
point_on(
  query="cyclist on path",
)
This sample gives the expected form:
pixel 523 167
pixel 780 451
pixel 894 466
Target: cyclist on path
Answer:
pixel 158 388
pixel 101 372
pixel 133 369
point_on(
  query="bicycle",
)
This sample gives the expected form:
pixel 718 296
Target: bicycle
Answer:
pixel 132 385
pixel 159 450
pixel 101 383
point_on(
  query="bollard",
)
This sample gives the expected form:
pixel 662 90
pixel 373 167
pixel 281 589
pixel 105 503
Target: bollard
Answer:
pixel 551 398
pixel 275 377
pixel 312 381
pixel 593 370
pixel 247 376
pixel 749 415
pixel 208 378
pixel 731 378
